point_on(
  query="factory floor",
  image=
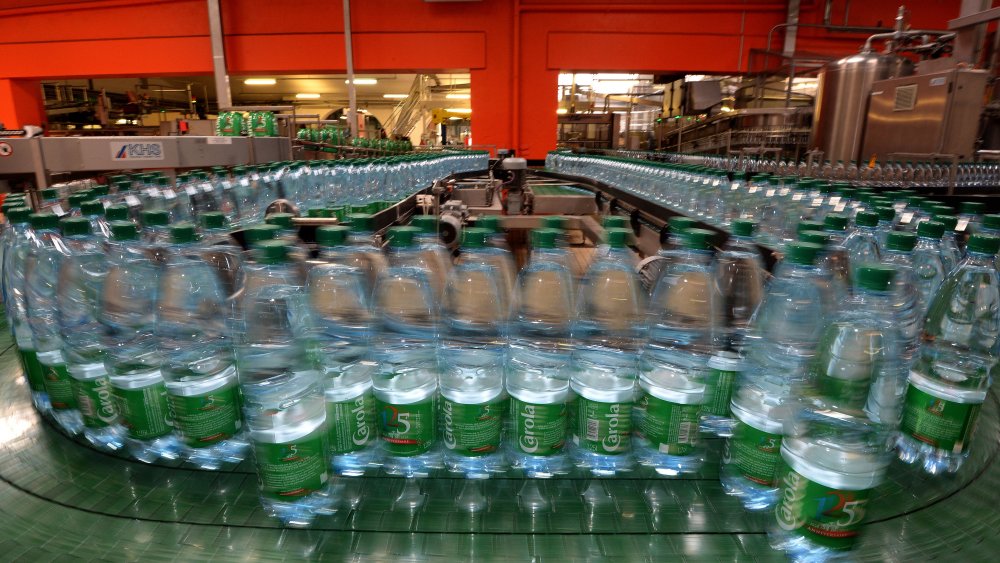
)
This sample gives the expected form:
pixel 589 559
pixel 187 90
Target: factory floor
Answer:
pixel 61 501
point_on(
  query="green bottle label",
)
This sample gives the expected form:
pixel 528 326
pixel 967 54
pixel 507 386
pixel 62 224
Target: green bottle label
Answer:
pixel 144 411
pixel 407 430
pixel 671 427
pixel 96 400
pixel 539 429
pixel 471 430
pixel 293 469
pixel 59 386
pixel 829 517
pixel 604 428
pixel 755 453
pixel 848 393
pixel 203 420
pixel 33 370
pixel 943 424
pixel 351 423
pixel 719 392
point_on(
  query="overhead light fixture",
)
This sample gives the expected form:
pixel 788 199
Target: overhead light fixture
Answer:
pixel 344 117
pixel 121 122
pixel 396 96
pixel 458 110
pixel 454 118
pixel 562 111
pixel 363 81
pixel 458 96
pixel 307 96
pixel 260 81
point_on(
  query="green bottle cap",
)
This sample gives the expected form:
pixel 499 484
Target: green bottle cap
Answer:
pixel 402 237
pixel 476 237
pixel 866 219
pixel 124 230
pixel 40 221
pixel 116 213
pixel 425 223
pixel 183 233
pixel 804 226
pixel 886 213
pixel 991 221
pixel 930 229
pixel 544 238
pixel 50 193
pixel 318 212
pixel 615 222
pixel 73 226
pixel 162 182
pixel 283 220
pixel 942 210
pixel 100 190
pixel 260 233
pixel 803 253
pixel 972 207
pixel 92 208
pixel 679 224
pixel 18 215
pixel 271 251
pixel 155 218
pixel 834 223
pixel 821 238
pixel 744 227
pixel 332 235
pixel 875 277
pixel 491 222
pixel 949 221
pixel 983 244
pixel 77 199
pixel 617 237
pixel 698 239
pixel 213 220
pixel 901 240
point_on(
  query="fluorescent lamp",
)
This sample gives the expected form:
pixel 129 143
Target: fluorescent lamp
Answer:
pixel 562 111
pixel 260 82
pixel 454 118
pixel 458 110
pixel 305 96
pixel 395 96
pixel 363 81
pixel 458 96
pixel 121 122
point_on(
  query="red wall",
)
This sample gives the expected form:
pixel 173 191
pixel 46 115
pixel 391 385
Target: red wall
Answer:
pixel 514 48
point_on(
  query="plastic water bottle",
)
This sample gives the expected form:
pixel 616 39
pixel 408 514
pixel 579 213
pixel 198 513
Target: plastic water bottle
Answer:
pixel 15 301
pixel 652 268
pixel 862 243
pixel 405 348
pixel 886 223
pixel 473 354
pixel 990 225
pixel 41 276
pixel 607 335
pixel 951 254
pixel 928 265
pixel 970 216
pixel 133 360
pixel 435 255
pixel 198 362
pixel 834 258
pixel 93 211
pixel 908 301
pixel 366 252
pixel 283 403
pixel 684 322
pixel 340 299
pixel 81 279
pixel 783 343
pixel 949 381
pixel 156 227
pixel 539 364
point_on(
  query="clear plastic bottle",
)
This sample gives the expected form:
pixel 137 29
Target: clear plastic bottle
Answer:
pixel 81 280
pixel 862 243
pixel 93 210
pixel 41 276
pixel 651 268
pixel 405 348
pixel 951 254
pixel 886 223
pixel 340 301
pixel 539 363
pixel 128 318
pixel 684 323
pixel 282 388
pixel 473 353
pixel 970 217
pixel 607 335
pixel 949 381
pixel 898 252
pixel 199 366
pixel 835 258
pixel 928 265
pixel 784 339
pixel 435 254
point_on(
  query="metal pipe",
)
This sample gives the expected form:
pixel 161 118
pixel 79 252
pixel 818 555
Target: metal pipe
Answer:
pixel 352 93
pixel 792 29
pixel 831 28
pixel 222 92
pixel 944 35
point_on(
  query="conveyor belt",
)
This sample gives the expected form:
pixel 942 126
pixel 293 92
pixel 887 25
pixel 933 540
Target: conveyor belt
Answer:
pixel 60 500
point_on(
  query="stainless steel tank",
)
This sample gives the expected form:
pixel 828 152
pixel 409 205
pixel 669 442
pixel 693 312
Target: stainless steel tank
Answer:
pixel 842 101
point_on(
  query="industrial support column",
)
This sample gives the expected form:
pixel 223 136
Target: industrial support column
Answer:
pixel 352 93
pixel 223 95
pixel 21 103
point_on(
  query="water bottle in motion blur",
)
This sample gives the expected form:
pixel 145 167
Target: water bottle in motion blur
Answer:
pixel 435 254
pixel 133 360
pixel 405 348
pixel 928 264
pixel 949 381
pixel 783 343
pixel 607 335
pixel 951 254
pixel 909 307
pixel 81 281
pixel 41 277
pixel 970 217
pixel 18 241
pixel 340 300
pixel 538 368
pixel 473 353
pixel 198 362
pixel 282 389
pixel 683 322
pixel 862 243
